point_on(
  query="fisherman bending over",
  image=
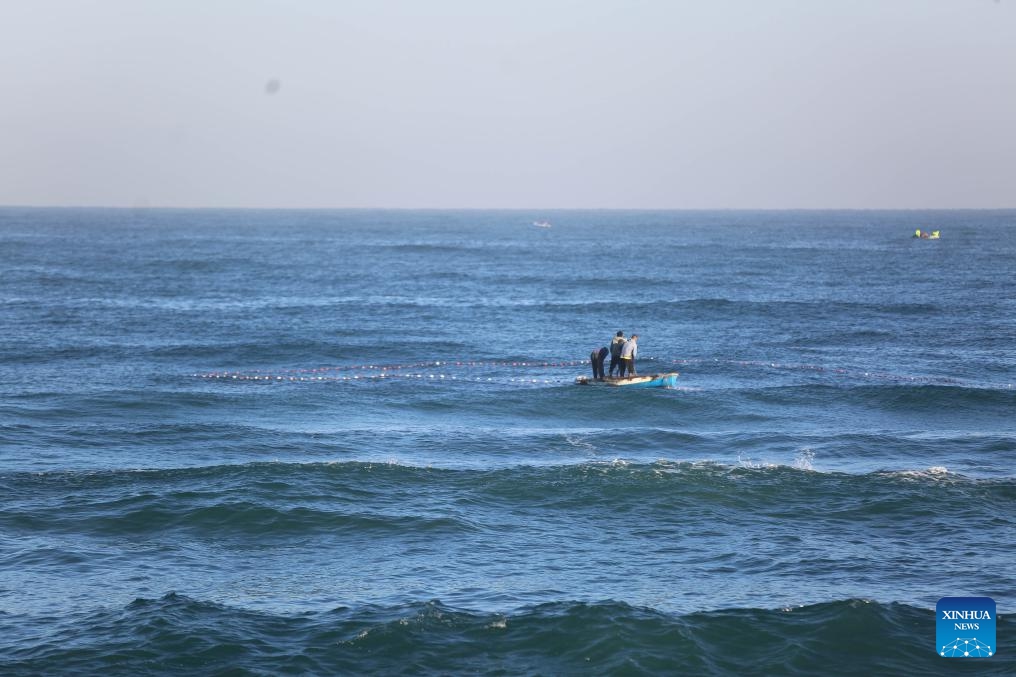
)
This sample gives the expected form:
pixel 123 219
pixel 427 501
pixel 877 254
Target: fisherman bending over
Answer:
pixel 596 358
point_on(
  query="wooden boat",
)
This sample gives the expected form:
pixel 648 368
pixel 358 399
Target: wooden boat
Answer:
pixel 667 380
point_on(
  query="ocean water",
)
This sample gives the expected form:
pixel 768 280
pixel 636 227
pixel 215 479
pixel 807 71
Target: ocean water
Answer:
pixel 350 442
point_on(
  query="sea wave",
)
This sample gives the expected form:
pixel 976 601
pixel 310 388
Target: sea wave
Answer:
pixel 288 499
pixel 948 398
pixel 179 635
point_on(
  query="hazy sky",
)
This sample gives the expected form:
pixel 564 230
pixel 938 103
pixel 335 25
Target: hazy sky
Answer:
pixel 509 103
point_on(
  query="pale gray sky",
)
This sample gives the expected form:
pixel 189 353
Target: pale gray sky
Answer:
pixel 513 103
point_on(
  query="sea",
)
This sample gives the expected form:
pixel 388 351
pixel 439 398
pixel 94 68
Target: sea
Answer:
pixel 351 442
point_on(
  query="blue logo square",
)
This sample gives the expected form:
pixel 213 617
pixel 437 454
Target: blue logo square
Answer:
pixel 965 627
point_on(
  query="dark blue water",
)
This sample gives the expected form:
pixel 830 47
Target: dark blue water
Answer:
pixel 346 442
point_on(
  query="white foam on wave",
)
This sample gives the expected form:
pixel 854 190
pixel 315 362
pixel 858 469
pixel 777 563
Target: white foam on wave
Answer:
pixel 751 464
pixel 805 460
pixel 581 442
pixel 935 472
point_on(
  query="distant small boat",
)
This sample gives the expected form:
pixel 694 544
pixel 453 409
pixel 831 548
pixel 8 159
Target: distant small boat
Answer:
pixel 667 380
pixel 925 235
pixel 541 224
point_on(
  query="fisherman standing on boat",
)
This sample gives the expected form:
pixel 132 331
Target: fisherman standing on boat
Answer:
pixel 629 351
pixel 596 358
pixel 615 352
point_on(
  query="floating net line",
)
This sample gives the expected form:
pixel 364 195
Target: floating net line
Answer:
pixel 459 370
pixel 365 372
